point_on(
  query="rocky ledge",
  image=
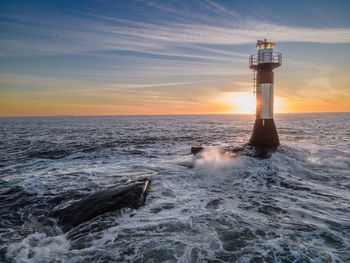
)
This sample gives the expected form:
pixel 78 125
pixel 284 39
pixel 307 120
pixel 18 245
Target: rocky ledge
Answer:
pixel 131 195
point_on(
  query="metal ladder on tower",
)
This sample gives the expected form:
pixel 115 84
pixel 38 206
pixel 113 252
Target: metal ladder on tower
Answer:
pixel 254 82
pixel 254 87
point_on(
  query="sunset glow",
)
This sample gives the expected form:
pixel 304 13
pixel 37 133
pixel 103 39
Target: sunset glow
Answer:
pixel 244 102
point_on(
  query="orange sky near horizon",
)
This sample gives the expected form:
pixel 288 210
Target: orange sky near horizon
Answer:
pixel 227 103
pixel 33 96
pixel 51 97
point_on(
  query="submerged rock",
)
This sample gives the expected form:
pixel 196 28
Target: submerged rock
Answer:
pixel 132 195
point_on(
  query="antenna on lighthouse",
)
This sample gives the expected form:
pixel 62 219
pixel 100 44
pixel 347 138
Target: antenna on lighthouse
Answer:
pixel 263 64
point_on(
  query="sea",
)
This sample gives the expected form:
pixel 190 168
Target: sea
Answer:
pixel 208 207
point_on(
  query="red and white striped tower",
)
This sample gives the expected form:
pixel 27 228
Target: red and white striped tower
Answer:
pixel 264 131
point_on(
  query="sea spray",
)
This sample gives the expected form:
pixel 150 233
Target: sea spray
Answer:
pixel 213 163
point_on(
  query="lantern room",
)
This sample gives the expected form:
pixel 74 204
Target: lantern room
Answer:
pixel 265 56
pixel 264 45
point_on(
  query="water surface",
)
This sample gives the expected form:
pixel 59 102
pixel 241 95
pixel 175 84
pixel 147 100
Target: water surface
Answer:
pixel 293 207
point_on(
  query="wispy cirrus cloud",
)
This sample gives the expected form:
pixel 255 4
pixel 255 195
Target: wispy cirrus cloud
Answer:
pixel 241 33
pixel 99 32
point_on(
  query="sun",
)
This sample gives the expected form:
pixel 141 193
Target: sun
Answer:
pixel 244 103
pixel 241 102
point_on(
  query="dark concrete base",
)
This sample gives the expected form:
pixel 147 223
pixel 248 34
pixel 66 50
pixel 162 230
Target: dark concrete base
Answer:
pixel 264 134
pixel 260 152
pixel 132 195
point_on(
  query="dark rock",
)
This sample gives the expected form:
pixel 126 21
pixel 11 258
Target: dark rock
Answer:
pixel 261 152
pixel 131 195
pixel 196 149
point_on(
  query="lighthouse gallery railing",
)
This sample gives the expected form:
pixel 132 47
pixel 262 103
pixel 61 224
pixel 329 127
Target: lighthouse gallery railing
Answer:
pixel 266 57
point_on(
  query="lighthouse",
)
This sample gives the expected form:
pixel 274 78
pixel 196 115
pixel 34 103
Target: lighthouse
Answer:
pixel 263 63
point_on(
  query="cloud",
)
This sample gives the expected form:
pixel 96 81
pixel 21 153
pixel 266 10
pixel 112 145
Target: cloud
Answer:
pixel 98 33
pixel 245 32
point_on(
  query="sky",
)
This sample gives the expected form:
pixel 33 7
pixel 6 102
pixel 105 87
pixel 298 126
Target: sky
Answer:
pixel 169 57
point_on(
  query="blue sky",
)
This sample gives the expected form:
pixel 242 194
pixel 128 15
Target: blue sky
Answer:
pixel 163 57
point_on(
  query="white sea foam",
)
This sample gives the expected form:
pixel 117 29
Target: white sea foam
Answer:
pixel 213 163
pixel 38 247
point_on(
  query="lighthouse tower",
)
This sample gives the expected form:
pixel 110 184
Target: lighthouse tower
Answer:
pixel 264 131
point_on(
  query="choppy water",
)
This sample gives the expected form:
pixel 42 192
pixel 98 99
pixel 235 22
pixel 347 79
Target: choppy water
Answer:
pixel 293 207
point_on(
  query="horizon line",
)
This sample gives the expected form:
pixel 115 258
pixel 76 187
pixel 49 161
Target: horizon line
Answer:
pixel 174 114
